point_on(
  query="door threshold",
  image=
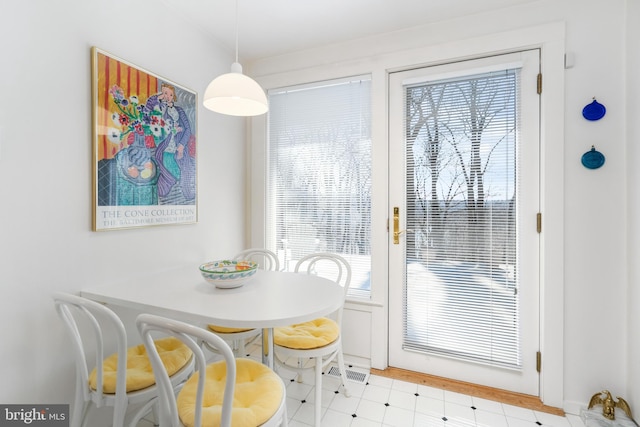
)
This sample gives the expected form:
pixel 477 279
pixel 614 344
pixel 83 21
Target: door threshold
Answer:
pixel 484 392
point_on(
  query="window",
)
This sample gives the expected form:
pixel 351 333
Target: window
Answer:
pixel 319 174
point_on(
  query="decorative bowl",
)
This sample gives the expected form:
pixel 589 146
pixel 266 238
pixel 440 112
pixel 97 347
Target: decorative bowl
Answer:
pixel 228 274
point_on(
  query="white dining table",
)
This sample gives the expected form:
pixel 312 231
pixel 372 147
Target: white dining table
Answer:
pixel 266 300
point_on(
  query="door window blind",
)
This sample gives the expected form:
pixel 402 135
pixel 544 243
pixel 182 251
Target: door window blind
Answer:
pixel 319 174
pixel 461 285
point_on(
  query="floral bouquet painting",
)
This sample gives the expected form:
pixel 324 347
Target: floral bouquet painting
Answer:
pixel 144 147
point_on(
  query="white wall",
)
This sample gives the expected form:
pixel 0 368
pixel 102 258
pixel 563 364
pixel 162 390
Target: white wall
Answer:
pixel 46 242
pixel 595 206
pixel 592 282
pixel 633 197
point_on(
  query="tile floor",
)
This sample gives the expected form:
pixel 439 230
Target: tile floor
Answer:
pixel 385 402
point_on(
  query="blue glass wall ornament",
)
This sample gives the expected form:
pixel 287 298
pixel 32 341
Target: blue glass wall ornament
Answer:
pixel 592 159
pixel 594 111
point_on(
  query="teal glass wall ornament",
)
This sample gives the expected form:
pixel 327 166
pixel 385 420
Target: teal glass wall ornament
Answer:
pixel 594 111
pixel 592 159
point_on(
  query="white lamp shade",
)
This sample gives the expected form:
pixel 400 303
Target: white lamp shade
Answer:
pixel 235 94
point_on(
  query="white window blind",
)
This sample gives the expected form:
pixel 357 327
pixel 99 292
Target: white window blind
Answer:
pixel 461 286
pixel 319 174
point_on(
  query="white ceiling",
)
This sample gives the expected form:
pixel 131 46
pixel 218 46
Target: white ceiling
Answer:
pixel 273 27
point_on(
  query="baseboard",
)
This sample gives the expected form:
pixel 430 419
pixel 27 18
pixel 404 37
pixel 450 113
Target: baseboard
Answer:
pixel 489 393
pixel 572 407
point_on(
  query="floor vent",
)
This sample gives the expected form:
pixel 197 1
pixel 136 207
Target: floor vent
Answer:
pixel 353 374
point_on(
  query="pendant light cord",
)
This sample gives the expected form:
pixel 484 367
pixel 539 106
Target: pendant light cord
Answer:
pixel 234 93
pixel 236 30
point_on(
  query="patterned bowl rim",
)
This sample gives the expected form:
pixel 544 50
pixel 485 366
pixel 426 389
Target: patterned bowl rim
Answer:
pixel 222 263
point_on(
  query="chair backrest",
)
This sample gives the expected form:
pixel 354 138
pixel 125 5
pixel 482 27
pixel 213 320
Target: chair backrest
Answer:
pixel 90 326
pixel 191 335
pixel 266 259
pixel 329 266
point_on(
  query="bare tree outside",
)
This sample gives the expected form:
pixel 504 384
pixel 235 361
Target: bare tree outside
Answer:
pixel 320 160
pixel 450 146
pixel 461 186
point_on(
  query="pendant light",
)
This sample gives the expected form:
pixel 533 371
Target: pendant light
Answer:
pixel 234 93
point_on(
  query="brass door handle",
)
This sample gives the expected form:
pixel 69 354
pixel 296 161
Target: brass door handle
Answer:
pixel 396 226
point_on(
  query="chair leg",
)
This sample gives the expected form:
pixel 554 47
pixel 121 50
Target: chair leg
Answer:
pixel 77 415
pixel 318 408
pixel 79 405
pixel 155 413
pixel 285 418
pixel 299 374
pixel 81 420
pixel 343 372
pixel 149 408
pixel 242 352
pixel 118 416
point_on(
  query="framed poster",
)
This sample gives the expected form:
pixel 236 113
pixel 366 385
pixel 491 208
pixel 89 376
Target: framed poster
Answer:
pixel 144 147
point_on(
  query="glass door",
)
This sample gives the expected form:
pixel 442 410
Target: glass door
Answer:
pixel 464 195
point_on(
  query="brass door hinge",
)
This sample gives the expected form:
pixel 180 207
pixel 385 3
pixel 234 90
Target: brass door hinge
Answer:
pixel 538 362
pixel 539 83
pixel 539 222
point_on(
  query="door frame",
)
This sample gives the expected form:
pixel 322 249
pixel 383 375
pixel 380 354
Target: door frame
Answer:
pixel 381 58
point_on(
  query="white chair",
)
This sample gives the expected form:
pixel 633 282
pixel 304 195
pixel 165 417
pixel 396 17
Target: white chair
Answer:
pixel 319 339
pixel 92 328
pixel 241 392
pixel 266 260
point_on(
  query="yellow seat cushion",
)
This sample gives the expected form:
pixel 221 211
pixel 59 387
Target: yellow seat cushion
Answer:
pixel 314 334
pixel 173 353
pixel 224 330
pixel 257 395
